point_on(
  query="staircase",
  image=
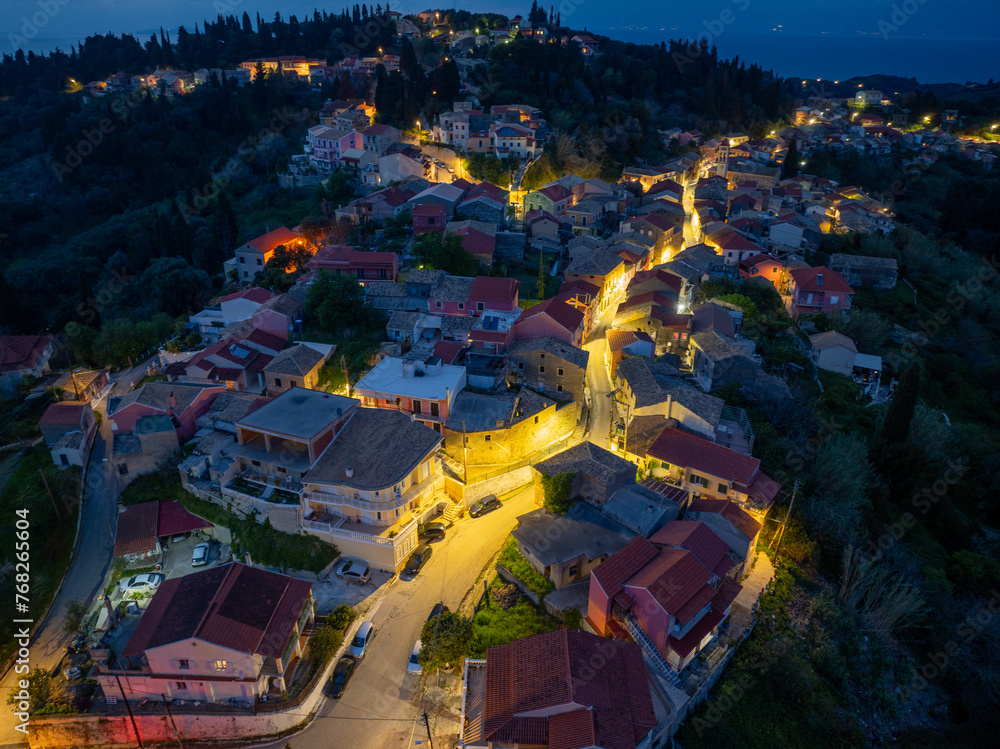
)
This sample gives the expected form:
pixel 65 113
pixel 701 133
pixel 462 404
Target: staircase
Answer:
pixel 452 512
pixel 650 652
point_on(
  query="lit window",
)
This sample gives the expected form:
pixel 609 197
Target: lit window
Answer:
pixel 221 665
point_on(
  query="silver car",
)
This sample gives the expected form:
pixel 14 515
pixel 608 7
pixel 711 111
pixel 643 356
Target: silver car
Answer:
pixel 199 556
pixel 362 639
pixel 354 571
pixel 145 583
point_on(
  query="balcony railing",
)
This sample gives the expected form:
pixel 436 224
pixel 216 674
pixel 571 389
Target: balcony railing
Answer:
pixel 367 538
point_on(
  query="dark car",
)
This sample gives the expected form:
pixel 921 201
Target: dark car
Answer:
pixel 418 559
pixel 439 608
pixel 342 673
pixel 487 504
pixel 428 531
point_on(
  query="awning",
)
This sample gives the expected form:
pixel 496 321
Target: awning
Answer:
pixel 868 361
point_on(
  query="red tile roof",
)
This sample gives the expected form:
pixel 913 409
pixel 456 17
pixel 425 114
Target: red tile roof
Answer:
pixel 493 289
pixel 617 569
pixel 677 581
pixel 619 339
pixel 656 298
pixel 136 531
pixel 19 352
pixel 172 519
pixel 254 294
pixel 550 670
pixel 558 310
pixel 63 414
pixel 273 239
pixel 578 288
pixel 428 209
pixel 741 520
pixel 446 351
pixel 267 340
pixel 665 277
pixel 806 280
pixel 244 608
pixel 555 193
pixel 700 540
pixel 686 450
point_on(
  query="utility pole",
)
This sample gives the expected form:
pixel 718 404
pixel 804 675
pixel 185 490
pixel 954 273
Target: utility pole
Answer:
pixel 465 455
pixel 167 705
pixel 427 724
pixel 129 708
pixel 784 523
pixel 51 498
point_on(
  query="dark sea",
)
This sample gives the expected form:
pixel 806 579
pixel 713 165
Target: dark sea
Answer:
pixel 839 57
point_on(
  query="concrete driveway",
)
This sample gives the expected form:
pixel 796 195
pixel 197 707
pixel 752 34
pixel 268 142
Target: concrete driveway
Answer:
pixel 382 704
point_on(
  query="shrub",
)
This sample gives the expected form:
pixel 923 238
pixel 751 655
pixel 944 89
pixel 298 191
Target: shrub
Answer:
pixel 325 643
pixel 558 490
pixel 521 568
pixel 341 617
pixel 445 640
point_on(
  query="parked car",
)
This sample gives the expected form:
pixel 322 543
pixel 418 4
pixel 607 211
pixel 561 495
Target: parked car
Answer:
pixel 362 639
pixel 439 608
pixel 145 583
pixel 354 571
pixel 342 673
pixel 199 556
pixel 418 559
pixel 414 666
pixel 430 530
pixel 486 504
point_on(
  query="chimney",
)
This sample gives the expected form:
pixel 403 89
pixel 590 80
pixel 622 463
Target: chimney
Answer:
pixel 173 401
pixel 248 560
pixel 349 471
pixel 819 279
pixel 670 403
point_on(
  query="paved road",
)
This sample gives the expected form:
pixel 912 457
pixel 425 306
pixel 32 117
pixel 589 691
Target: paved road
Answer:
pixel 90 563
pixel 382 703
pixel 690 235
pixel 97 538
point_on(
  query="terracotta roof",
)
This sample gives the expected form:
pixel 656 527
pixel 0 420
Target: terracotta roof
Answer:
pixel 265 339
pixel 493 289
pixel 806 279
pixel 686 450
pixel 619 339
pixel 616 570
pixel 700 540
pixel 273 239
pixel 447 351
pixel 830 338
pixel 247 609
pixel 565 315
pixel 665 277
pixel 156 395
pixel 63 414
pixel 650 298
pixel 556 668
pixel 136 531
pixel 18 352
pixel 172 519
pixel 677 581
pixel 254 294
pixel 429 209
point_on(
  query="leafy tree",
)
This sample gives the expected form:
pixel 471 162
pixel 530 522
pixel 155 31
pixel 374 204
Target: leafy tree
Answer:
pixel 340 617
pixel 445 252
pixel 75 611
pixel 193 340
pixel 325 643
pixel 558 491
pixel 337 302
pixel 81 340
pixel 790 167
pixel 446 639
pixel 540 286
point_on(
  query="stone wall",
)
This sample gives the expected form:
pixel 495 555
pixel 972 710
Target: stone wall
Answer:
pixel 506 446
pixel 498 485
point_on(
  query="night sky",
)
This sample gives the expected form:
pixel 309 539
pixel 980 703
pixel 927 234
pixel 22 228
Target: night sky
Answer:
pixel 858 35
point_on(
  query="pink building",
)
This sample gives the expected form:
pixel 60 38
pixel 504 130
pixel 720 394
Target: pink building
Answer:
pixel 554 317
pixel 182 402
pixel 674 587
pixel 814 290
pixel 429 217
pixel 490 292
pixel 347 261
pixel 763 266
pixel 426 389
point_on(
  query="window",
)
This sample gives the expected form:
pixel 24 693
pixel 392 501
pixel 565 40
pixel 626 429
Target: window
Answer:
pixel 221 665
pixel 437 305
pixel 246 274
pixel 461 305
pixel 277 382
pixel 574 571
pixel 698 480
pixel 520 365
pixel 378 515
pixel 834 299
pixel 559 371
pixel 260 261
pixel 255 462
pixel 417 407
pixel 559 388
pixel 541 368
pixel 541 356
pixel 242 259
pixel 182 685
pixel 281 469
pixel 723 488
pixel 536 419
pixel 122 469
pixel 183 664
pixel 487 439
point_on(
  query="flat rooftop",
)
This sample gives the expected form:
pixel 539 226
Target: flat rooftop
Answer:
pixel 393 377
pixel 298 413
